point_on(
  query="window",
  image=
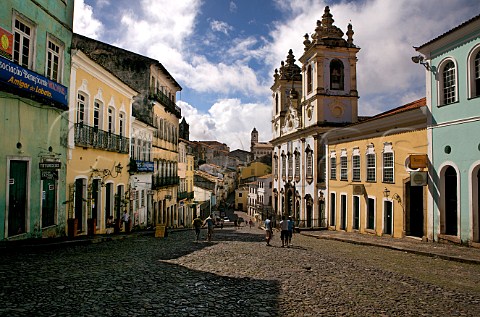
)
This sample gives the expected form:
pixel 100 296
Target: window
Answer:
pixel 23 44
pixel 333 166
pixel 371 164
pixel 284 166
pixel 388 163
pixel 97 115
pixel 309 79
pixel 121 118
pixel 54 61
pixel 343 166
pixel 132 149
pixel 356 165
pixel 297 166
pixel 142 198
pixel 309 164
pixel 290 166
pixel 474 72
pixel 449 83
pixel 239 194
pixel 111 122
pixel 336 75
pixel 81 105
pixel 477 75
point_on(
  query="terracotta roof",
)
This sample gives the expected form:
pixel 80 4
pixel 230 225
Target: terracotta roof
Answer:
pixel 409 106
pixel 450 31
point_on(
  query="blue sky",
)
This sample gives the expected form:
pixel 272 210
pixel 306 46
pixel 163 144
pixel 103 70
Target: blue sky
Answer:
pixel 223 52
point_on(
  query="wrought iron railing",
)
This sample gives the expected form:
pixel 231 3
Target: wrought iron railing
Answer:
pixel 160 96
pixel 87 136
pixel 185 195
pixel 158 181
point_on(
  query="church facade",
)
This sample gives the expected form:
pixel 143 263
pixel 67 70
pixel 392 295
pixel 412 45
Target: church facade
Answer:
pixel 308 102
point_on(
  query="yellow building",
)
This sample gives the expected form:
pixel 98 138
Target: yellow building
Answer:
pixel 166 115
pixel 373 186
pixel 254 170
pixel 185 190
pixel 98 146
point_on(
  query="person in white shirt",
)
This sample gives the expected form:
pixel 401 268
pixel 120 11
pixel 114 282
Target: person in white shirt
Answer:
pixel 268 230
pixel 125 219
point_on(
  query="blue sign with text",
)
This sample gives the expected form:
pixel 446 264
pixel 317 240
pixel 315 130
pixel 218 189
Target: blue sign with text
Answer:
pixel 29 81
pixel 144 166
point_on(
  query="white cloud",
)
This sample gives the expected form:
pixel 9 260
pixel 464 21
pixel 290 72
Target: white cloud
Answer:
pixel 220 26
pixel 228 121
pixel 83 21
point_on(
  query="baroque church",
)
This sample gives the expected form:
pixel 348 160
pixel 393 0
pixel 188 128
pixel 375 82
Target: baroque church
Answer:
pixel 308 102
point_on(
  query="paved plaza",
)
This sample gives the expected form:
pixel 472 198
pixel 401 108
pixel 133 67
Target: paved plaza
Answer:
pixel 235 275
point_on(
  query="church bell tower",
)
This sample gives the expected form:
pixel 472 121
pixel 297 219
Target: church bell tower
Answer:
pixel 329 63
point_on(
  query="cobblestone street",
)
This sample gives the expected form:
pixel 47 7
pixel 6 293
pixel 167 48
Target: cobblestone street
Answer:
pixel 235 275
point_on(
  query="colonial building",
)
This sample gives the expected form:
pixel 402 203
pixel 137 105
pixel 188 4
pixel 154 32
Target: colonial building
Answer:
pixel 264 196
pixel 309 101
pixel 376 183
pixel 34 76
pixel 98 142
pixel 155 106
pixel 186 172
pixel 259 149
pixel 241 198
pixel 452 63
pixel 141 169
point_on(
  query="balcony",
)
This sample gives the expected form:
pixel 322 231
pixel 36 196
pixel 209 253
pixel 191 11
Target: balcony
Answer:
pixel 185 195
pixel 87 136
pixel 159 182
pixel 170 106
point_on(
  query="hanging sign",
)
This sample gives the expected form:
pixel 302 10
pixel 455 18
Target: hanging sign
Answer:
pixel 50 165
pixel 48 174
pixel 6 43
pixel 28 81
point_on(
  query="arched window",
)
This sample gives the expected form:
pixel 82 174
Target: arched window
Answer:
pixel 476 78
pixel 474 72
pixel 309 79
pixel 336 75
pixel 449 84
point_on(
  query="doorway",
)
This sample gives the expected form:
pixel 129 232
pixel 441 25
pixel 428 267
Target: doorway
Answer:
pixel 49 199
pixel 343 210
pixel 415 219
pixel 450 180
pixel 388 217
pixel 80 199
pixel 17 197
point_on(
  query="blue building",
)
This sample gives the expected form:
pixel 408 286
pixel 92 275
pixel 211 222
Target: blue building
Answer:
pixel 452 62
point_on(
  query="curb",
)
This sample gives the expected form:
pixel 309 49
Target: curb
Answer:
pixel 395 248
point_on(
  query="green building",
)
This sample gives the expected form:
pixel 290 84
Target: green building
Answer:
pixel 34 76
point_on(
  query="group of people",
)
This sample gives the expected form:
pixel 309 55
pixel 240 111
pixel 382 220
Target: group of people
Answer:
pixel 198 223
pixel 286 231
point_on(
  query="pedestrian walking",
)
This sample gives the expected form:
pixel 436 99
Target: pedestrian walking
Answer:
pixel 291 226
pixel 210 225
pixel 197 224
pixel 250 223
pixel 284 232
pixel 125 219
pixel 268 230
